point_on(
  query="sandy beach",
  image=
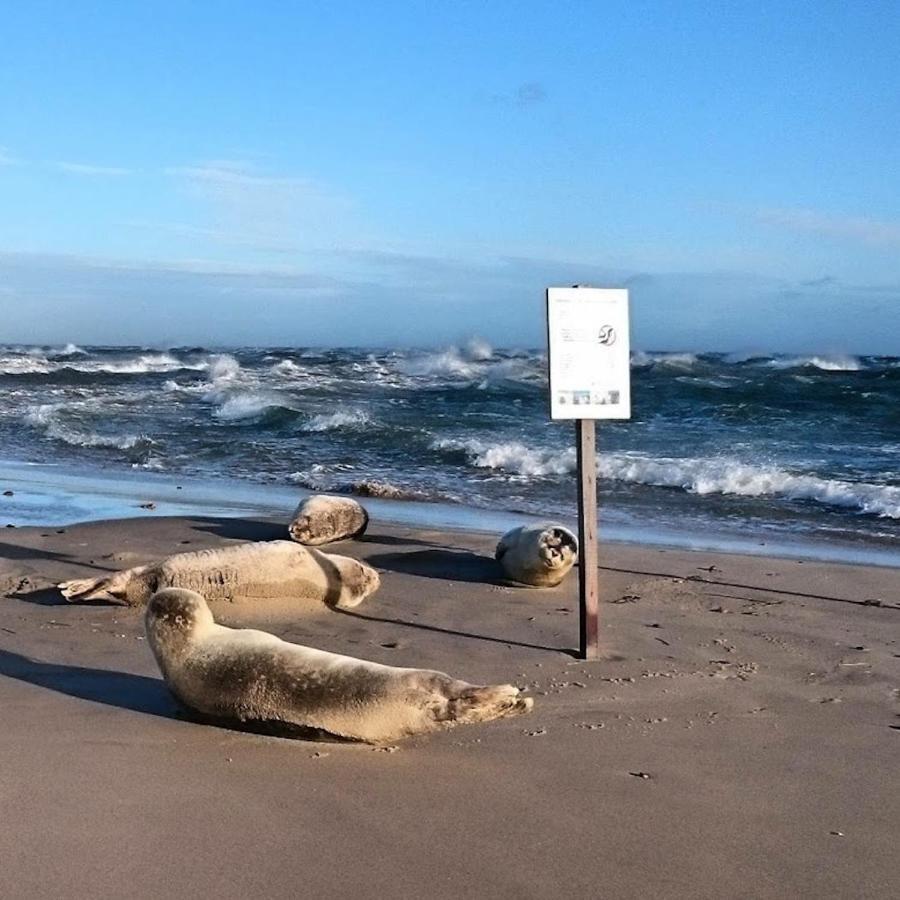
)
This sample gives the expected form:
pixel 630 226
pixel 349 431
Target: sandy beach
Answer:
pixel 740 739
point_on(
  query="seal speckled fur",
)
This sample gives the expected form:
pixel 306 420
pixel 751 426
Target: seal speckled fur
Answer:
pixel 322 519
pixel 240 573
pixel 253 676
pixel 537 555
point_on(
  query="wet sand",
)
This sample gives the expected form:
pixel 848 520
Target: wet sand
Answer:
pixel 740 739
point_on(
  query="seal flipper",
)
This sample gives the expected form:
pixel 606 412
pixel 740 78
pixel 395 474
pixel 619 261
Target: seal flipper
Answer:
pixel 107 587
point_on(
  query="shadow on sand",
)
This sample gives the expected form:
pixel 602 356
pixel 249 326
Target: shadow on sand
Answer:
pixel 778 592
pixel 138 693
pixel 445 565
pixel 436 629
pixel 241 529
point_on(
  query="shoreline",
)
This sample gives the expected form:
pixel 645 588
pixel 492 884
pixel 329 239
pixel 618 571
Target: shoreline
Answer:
pixel 49 495
pixel 751 700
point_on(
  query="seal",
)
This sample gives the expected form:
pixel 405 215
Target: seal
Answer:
pixel 322 519
pixel 239 573
pixel 537 555
pixel 253 676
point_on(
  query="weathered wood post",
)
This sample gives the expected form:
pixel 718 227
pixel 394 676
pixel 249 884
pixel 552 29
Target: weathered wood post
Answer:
pixel 589 362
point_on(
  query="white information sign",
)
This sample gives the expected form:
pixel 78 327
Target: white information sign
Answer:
pixel 589 353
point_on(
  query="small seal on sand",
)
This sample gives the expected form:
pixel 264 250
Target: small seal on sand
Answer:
pixel 537 555
pixel 253 676
pixel 241 573
pixel 322 519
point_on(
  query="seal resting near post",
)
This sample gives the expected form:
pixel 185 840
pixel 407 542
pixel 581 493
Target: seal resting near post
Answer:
pixel 322 519
pixel 239 573
pixel 252 676
pixel 537 555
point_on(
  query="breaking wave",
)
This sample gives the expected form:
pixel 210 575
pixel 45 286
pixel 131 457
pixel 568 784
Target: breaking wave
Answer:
pixel 696 476
pixel 449 362
pixel 45 416
pixel 835 363
pixel 641 360
pixel 250 407
pixel 729 476
pixel 337 420
pixel 68 350
pixel 478 349
pixel 512 457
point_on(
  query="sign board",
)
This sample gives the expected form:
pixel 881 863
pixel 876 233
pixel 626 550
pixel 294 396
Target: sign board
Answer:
pixel 589 353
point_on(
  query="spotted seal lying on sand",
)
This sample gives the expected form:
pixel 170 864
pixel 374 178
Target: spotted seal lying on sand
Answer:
pixel 322 519
pixel 253 676
pixel 537 555
pixel 240 573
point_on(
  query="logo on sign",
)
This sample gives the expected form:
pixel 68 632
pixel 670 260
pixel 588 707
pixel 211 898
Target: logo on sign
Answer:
pixel 607 335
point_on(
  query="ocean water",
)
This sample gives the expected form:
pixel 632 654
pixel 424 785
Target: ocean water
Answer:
pixel 760 449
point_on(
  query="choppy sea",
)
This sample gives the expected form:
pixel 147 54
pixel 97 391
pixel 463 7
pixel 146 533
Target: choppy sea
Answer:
pixel 749 450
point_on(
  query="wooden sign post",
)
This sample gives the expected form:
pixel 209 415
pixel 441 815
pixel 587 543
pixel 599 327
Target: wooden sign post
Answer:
pixel 590 378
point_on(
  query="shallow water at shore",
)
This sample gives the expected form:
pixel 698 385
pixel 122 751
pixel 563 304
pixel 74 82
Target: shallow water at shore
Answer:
pixel 52 496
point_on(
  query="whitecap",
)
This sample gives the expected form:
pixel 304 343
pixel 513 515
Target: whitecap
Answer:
pixel 289 368
pixel 24 365
pixel 447 362
pixel 341 419
pixel 246 406
pixel 831 363
pixel 733 477
pixel 512 457
pixel 478 349
pixel 223 367
pixel 68 350
pixel 45 416
pixel 640 359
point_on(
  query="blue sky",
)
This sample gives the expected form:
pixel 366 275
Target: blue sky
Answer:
pixel 418 172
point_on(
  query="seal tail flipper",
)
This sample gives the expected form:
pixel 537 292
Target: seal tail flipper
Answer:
pixel 474 703
pixel 107 587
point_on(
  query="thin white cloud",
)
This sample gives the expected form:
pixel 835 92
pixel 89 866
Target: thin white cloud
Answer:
pixel 276 213
pixel 232 172
pixel 74 168
pixel 877 232
pixel 6 159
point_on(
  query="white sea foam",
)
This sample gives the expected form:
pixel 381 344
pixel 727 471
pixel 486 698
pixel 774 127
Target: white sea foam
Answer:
pixel 730 476
pixel 702 476
pixel 24 365
pixel 239 407
pixel 478 349
pixel 447 362
pixel 68 350
pixel 512 457
pixel 223 367
pixel 640 359
pixel 78 360
pixel 833 363
pixel 46 416
pixel 288 368
pixel 351 418
pixel 521 371
pixel 140 365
